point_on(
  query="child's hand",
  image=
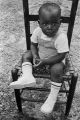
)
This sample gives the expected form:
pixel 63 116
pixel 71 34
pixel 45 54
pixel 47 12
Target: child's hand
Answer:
pixel 37 62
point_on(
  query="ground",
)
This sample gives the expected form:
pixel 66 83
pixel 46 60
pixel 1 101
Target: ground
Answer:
pixel 12 45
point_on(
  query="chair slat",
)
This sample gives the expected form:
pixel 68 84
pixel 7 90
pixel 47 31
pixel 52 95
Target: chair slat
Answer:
pixel 65 77
pixel 41 101
pixel 42 89
pixel 36 17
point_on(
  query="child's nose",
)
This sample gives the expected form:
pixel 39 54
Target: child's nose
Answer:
pixel 49 26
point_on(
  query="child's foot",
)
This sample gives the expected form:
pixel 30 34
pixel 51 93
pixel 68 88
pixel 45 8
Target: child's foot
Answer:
pixel 23 81
pixel 47 107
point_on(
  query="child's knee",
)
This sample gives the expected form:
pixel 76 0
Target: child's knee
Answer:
pixel 27 56
pixel 57 69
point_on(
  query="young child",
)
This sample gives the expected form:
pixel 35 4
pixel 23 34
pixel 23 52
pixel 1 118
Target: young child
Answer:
pixel 49 46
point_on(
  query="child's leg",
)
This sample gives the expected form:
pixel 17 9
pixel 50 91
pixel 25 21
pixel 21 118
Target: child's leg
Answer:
pixel 56 80
pixel 27 79
pixel 27 56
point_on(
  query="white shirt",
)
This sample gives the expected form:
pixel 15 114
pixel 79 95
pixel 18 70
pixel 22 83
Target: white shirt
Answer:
pixel 50 46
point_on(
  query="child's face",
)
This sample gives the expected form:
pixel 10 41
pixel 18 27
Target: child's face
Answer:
pixel 49 23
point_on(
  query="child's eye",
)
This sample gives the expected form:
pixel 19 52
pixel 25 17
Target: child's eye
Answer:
pixel 49 24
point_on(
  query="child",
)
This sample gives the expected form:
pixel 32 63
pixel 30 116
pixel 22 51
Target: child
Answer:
pixel 49 46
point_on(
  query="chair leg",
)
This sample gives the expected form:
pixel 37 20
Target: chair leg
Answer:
pixel 17 92
pixel 71 94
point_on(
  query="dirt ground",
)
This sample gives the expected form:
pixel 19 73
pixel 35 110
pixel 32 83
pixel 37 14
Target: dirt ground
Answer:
pixel 12 45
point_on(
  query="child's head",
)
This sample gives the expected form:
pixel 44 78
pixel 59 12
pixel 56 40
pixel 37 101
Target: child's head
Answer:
pixel 49 18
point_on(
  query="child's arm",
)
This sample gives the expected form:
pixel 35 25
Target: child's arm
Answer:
pixel 34 44
pixel 34 50
pixel 54 59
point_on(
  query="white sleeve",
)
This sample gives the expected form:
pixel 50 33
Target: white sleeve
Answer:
pixel 61 44
pixel 35 35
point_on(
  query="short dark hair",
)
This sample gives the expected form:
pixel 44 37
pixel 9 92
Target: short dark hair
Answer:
pixel 50 4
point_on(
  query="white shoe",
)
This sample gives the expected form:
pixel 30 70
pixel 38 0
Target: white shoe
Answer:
pixel 23 82
pixel 27 79
pixel 48 106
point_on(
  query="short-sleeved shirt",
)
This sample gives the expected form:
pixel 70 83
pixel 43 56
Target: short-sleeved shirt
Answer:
pixel 50 46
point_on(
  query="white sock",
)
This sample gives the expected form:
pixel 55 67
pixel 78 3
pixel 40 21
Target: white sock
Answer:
pixel 48 106
pixel 26 68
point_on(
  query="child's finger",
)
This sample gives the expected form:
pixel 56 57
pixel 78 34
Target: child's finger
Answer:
pixel 36 65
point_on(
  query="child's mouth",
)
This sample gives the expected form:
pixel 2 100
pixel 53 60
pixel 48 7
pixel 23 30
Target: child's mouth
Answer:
pixel 49 31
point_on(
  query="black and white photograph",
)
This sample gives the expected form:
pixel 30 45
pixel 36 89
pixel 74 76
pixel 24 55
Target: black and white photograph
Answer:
pixel 39 59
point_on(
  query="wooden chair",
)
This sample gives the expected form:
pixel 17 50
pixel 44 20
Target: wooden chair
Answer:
pixel 70 75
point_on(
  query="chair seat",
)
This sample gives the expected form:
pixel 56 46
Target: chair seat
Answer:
pixel 41 73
